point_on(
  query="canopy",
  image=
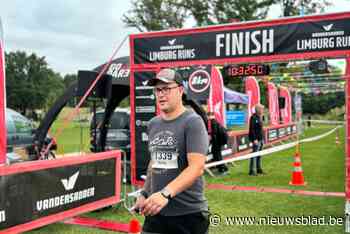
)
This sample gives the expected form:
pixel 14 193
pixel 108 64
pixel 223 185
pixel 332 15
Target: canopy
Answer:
pixel 231 96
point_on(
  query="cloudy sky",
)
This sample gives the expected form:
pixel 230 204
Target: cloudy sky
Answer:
pixel 76 35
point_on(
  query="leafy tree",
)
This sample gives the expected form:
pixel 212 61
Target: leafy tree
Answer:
pixel 243 10
pixel 30 83
pixel 292 7
pixel 149 15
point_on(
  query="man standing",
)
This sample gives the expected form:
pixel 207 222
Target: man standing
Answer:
pixel 218 139
pixel 256 136
pixel 172 198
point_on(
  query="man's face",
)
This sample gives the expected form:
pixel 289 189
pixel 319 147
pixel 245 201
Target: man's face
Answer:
pixel 260 110
pixel 169 96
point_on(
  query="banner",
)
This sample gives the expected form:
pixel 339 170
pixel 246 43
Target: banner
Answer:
pixel 286 112
pixel 275 37
pixel 2 99
pixel 37 193
pixel 216 97
pixel 144 110
pixel 273 104
pixel 253 91
pixel 197 80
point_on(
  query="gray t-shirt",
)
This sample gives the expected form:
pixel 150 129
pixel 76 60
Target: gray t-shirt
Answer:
pixel 169 143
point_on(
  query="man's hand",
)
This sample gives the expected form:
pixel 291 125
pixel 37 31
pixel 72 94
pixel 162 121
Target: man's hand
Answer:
pixel 256 142
pixel 140 203
pixel 154 204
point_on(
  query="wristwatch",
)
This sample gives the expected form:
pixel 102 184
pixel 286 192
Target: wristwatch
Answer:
pixel 166 193
pixel 144 194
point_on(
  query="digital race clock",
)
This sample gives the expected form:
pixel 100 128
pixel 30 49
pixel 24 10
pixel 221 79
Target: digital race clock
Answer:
pixel 247 70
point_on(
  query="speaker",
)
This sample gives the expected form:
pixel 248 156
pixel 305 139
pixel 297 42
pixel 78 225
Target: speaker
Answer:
pixel 102 89
pixel 282 102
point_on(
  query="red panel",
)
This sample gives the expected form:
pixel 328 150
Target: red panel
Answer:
pixel 2 101
pixel 39 165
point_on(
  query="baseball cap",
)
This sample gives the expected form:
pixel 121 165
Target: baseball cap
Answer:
pixel 166 75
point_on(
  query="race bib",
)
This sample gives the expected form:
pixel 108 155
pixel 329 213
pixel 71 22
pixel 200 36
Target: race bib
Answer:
pixel 165 159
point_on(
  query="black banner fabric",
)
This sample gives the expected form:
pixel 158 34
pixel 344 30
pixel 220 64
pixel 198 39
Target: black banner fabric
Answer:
pixel 197 81
pixel 323 35
pixel 31 195
pixel 145 110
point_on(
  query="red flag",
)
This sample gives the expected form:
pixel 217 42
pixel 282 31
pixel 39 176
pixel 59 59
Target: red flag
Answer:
pixel 2 100
pixel 286 112
pixel 273 103
pixel 216 96
pixel 253 91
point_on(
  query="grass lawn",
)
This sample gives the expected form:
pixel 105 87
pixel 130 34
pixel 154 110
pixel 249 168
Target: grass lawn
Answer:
pixel 323 165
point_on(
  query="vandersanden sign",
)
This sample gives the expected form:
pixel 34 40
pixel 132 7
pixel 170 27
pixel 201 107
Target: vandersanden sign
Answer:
pixel 258 41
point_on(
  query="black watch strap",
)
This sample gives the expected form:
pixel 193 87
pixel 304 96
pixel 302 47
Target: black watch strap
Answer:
pixel 144 193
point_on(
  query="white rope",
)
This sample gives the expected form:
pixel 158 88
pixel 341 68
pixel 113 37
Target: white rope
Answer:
pixel 270 150
pixel 324 121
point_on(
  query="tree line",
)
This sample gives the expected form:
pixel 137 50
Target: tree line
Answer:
pixel 31 84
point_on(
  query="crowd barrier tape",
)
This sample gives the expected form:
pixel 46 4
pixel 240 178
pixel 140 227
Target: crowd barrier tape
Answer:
pixel 270 150
pixel 324 121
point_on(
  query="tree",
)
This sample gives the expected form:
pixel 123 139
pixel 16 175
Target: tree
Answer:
pixel 243 10
pixel 292 7
pixel 30 84
pixel 152 15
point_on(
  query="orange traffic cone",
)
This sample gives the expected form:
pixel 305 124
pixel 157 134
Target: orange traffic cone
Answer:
pixel 134 227
pixel 297 176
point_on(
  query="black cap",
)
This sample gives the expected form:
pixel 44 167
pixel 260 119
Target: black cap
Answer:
pixel 167 76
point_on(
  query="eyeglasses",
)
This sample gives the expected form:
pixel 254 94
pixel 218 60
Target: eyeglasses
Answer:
pixel 164 90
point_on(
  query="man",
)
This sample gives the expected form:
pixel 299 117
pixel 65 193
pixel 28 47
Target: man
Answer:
pixel 256 136
pixel 172 198
pixel 218 139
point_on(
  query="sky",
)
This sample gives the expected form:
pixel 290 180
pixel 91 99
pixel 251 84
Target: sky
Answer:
pixel 77 35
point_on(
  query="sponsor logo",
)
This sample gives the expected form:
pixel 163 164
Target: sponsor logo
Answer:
pixel 65 199
pixel 199 81
pixel 326 39
pixel 2 216
pixel 146 97
pixel 145 109
pixel 245 43
pixel 69 183
pixel 328 27
pixel 141 123
pixel 172 51
pixel 145 83
pixel 119 70
pixel 171 42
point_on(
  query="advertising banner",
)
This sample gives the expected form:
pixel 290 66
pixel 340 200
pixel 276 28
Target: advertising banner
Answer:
pixel 253 91
pixel 45 192
pixel 273 104
pixel 236 41
pixel 216 98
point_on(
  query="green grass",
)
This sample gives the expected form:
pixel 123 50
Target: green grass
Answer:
pixel 323 165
